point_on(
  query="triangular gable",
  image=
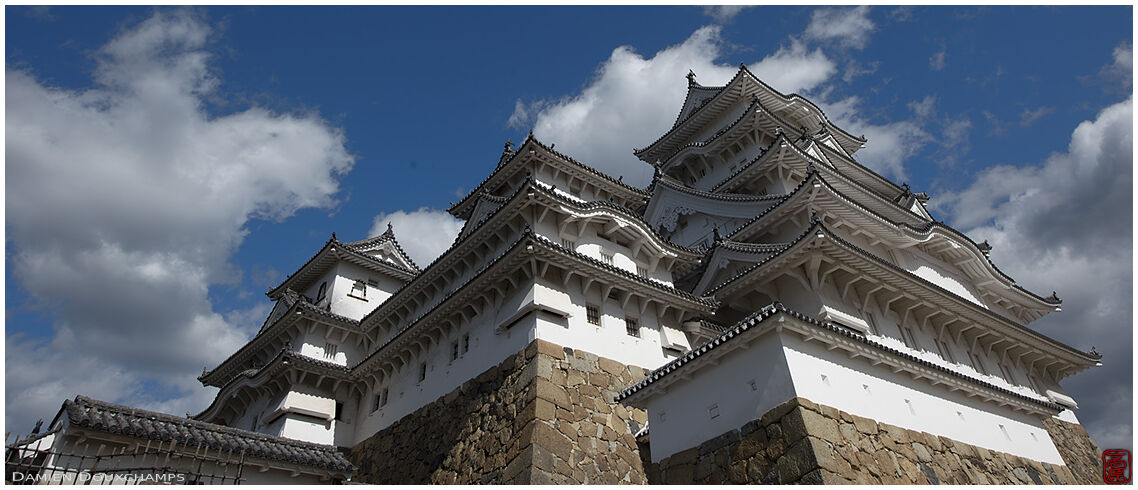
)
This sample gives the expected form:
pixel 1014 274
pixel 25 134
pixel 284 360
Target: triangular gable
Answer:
pixel 385 248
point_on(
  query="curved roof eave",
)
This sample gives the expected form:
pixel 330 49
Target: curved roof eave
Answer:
pixel 461 209
pixel 333 245
pixel 837 239
pixel 854 142
pixel 769 311
pixel 927 230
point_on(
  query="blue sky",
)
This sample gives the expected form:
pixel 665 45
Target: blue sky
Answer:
pixel 142 230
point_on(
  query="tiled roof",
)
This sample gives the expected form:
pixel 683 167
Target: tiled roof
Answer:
pixel 296 303
pixel 531 139
pixel 351 249
pixel 768 311
pixel 117 419
pixel 812 174
pixel 816 224
pixel 387 236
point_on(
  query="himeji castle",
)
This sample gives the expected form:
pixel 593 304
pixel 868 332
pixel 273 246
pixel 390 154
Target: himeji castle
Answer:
pixel 767 310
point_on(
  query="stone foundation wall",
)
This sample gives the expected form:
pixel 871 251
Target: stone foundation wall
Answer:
pixel 544 415
pixel 802 442
pixel 1082 456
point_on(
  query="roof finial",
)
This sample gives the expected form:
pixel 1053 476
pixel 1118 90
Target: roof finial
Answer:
pixel 1094 353
pixel 742 66
pixel 691 77
pixel 509 146
pixel 333 235
pixel 39 423
pixel 389 230
pixel 1054 298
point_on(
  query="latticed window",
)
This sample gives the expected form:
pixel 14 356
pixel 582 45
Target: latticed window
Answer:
pixel 606 257
pixel 592 314
pixel 422 371
pixel 465 343
pixel 330 351
pixel 454 351
pixel 642 271
pixel 632 326
pixel 567 243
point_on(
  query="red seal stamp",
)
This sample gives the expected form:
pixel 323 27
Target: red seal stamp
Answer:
pixel 1116 466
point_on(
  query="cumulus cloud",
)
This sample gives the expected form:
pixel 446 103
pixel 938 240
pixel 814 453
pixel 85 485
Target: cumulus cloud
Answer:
pixel 633 99
pixel 423 233
pixel 125 201
pixel 847 27
pixel 1066 225
pixel 723 13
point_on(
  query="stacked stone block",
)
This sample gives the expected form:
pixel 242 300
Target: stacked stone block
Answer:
pixel 803 442
pixel 544 415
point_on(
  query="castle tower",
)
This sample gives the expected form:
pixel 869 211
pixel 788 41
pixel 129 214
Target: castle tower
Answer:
pixel 882 346
pixel 766 308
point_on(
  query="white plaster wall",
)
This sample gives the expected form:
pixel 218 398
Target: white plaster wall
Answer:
pixel 680 418
pixel 879 394
pixel 351 306
pixel 938 273
pixel 313 344
pixel 609 339
pixel 488 348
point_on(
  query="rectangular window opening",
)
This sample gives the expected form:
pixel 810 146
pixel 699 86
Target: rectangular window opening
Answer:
pixel 632 326
pixel 330 351
pixel 422 371
pixel 465 343
pixel 359 290
pixel 593 314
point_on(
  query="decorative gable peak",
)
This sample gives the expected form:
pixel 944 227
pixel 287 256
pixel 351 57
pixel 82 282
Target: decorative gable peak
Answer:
pixel 385 248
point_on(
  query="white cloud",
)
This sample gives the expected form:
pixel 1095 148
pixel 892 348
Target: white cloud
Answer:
pixel 723 13
pixel 1030 116
pixel 633 99
pixel 1066 225
pixel 423 233
pixel 794 68
pixel 936 61
pixel 889 144
pixel 848 27
pixel 125 202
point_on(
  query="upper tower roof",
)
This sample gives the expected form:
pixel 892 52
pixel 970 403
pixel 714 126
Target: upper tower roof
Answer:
pixel 705 104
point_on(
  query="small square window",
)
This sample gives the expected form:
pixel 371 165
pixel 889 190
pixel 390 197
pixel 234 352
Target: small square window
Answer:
pixel 592 314
pixel 330 351
pixel 632 326
pixel 359 290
